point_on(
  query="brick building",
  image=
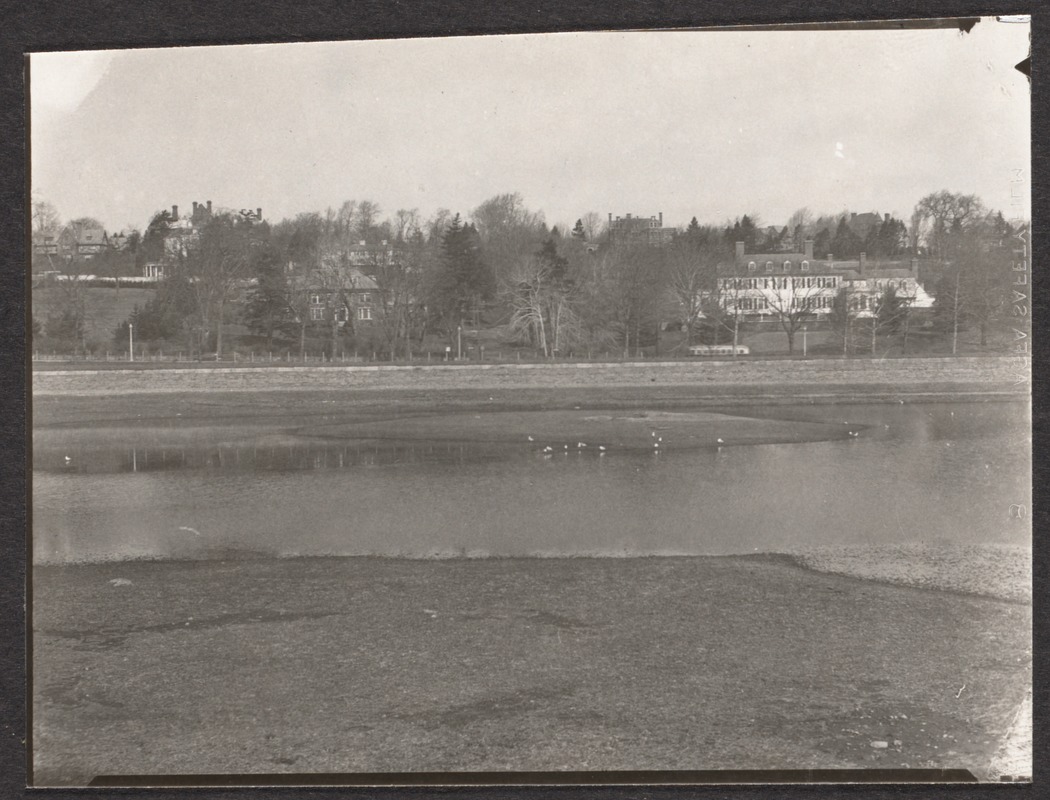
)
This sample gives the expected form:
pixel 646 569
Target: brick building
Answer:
pixel 631 231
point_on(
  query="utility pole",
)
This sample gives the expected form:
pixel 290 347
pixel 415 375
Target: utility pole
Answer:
pixel 804 351
pixel 459 343
pixel 131 341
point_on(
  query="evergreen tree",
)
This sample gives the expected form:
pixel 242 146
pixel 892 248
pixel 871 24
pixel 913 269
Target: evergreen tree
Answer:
pixel 553 266
pixel 268 310
pixel 846 243
pixel 822 243
pixel 693 232
pixel 891 310
pixel 463 280
pixel 577 230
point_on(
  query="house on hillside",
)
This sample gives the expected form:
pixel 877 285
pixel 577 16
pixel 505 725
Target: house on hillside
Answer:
pixel 761 286
pixel 861 224
pixel 631 231
pixel 81 241
pixel 343 295
pixel 182 234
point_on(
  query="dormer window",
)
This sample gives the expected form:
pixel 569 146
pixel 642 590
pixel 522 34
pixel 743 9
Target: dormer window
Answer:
pixel 787 266
pixel 751 266
pixel 769 266
pixel 805 266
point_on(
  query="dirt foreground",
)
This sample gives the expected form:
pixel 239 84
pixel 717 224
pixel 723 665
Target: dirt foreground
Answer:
pixel 366 665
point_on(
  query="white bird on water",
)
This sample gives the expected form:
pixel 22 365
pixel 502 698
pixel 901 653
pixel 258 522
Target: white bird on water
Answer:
pixel 601 447
pixel 548 449
pixel 720 441
pixel 194 531
pixel 531 439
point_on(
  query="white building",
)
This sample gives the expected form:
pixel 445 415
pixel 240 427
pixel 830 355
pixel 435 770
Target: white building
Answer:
pixel 773 285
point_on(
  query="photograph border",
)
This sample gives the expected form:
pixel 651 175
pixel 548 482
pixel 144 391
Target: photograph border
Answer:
pixel 59 26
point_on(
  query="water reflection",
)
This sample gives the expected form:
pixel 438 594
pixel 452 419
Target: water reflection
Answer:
pixel 916 473
pixel 293 454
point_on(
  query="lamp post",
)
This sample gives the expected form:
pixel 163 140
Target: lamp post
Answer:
pixel 131 341
pixel 803 341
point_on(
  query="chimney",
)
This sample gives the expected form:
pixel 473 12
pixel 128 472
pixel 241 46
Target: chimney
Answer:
pixel 863 260
pixel 628 216
pixel 808 247
pixel 739 252
pixel 610 218
pixel 258 213
pixel 174 212
pixel 661 214
pixel 194 208
pixel 209 206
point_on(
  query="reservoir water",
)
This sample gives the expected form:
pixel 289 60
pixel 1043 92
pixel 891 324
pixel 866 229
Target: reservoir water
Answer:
pixel 938 472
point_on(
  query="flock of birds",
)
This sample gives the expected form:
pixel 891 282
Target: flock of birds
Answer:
pixel 549 450
pixel 658 440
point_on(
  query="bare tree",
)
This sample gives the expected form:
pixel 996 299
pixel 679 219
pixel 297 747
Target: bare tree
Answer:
pixel 398 271
pixel 799 225
pixel 216 265
pixel 793 301
pixel 692 273
pixel 366 218
pixel 942 214
pixel 593 226
pixel 543 307
pixel 843 313
pixel 46 227
pixel 632 282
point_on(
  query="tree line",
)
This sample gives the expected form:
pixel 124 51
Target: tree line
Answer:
pixel 296 283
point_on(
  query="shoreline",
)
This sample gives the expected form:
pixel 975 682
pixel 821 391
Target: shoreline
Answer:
pixel 889 565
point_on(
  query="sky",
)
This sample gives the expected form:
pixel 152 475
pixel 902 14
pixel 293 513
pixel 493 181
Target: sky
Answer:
pixel 712 124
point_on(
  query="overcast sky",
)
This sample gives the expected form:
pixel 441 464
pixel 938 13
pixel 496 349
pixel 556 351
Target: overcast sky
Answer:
pixel 711 124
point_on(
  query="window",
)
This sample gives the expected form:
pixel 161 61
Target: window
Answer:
pixel 366 298
pixel 364 313
pixel 751 266
pixel 316 314
pixel 787 266
pixel 342 314
pixel 805 266
pixel 769 266
pixel 315 299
